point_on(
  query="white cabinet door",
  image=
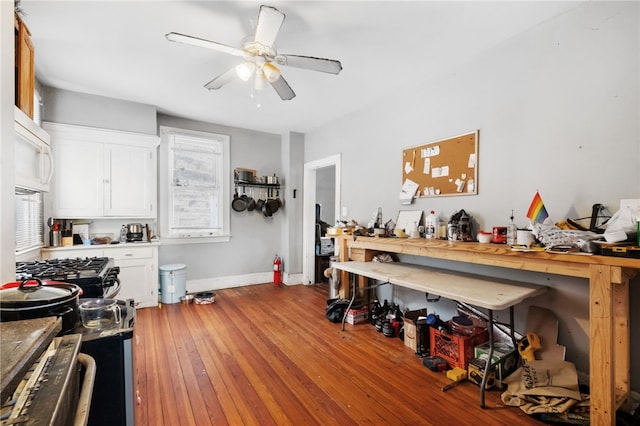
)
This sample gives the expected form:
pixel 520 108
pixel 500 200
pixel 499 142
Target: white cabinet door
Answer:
pixel 131 184
pixel 135 277
pixel 78 184
pixel 138 273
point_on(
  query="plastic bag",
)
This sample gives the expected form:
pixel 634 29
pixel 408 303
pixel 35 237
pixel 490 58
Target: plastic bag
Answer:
pixel 543 386
pixel 622 226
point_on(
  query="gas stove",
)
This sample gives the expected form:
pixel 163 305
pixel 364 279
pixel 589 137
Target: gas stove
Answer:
pixel 96 276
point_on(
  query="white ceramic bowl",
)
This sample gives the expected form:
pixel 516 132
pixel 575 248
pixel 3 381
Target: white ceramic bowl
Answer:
pixel 483 237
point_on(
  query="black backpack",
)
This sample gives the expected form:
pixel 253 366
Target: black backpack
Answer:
pixel 335 309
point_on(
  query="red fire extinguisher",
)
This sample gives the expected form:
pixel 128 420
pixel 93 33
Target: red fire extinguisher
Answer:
pixel 277 270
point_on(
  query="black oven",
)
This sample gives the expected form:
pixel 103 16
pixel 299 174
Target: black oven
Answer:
pixel 113 400
pixel 55 390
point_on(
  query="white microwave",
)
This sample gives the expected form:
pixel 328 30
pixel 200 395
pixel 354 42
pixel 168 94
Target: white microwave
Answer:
pixel 33 159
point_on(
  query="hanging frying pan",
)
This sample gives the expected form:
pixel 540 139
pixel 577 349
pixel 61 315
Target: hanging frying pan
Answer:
pixel 238 204
pixel 260 201
pixel 251 204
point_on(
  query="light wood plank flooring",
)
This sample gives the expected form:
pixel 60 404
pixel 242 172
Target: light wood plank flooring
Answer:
pixel 266 355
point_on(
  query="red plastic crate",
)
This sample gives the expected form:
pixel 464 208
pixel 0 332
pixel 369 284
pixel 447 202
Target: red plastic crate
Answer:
pixel 456 349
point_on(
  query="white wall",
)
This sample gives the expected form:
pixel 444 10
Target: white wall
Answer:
pixel 558 111
pixel 68 107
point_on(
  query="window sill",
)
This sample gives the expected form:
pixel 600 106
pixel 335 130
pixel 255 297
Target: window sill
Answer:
pixel 195 240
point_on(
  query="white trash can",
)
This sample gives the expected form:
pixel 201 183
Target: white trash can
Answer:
pixel 173 282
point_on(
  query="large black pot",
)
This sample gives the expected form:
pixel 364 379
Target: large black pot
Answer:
pixel 32 299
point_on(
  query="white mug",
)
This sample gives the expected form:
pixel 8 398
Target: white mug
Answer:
pixel 524 237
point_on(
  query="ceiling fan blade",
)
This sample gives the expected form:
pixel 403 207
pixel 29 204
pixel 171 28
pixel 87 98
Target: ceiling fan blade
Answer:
pixel 195 41
pixel 284 90
pixel 330 66
pixel 221 80
pixel 270 20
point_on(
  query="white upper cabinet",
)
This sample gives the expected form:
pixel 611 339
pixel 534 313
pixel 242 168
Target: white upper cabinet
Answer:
pixel 103 173
pixel 33 159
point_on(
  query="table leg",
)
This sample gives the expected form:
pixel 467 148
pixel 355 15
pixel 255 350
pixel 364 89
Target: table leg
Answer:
pixel 487 365
pixel 353 298
pixel 609 356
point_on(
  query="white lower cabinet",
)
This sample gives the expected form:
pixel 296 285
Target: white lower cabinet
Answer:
pixel 138 268
pixel 138 274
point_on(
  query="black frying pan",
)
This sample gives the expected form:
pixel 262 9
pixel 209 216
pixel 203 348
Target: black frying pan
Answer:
pixel 260 201
pixel 251 204
pixel 238 204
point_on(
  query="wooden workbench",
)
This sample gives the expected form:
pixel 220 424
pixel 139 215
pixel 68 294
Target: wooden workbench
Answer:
pixel 608 278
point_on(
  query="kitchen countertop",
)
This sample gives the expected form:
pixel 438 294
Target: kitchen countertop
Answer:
pixel 21 343
pixel 102 246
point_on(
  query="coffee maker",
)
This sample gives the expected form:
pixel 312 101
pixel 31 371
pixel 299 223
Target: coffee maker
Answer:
pixel 133 232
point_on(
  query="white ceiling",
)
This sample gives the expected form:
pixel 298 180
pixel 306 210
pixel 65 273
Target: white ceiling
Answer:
pixel 118 49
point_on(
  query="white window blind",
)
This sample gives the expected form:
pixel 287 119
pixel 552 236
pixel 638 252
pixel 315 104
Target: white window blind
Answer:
pixel 29 219
pixel 196 189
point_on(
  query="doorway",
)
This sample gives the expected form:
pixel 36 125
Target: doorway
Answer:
pixel 313 171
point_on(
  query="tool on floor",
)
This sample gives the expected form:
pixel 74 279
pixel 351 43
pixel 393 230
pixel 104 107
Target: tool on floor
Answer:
pixel 528 345
pixel 458 375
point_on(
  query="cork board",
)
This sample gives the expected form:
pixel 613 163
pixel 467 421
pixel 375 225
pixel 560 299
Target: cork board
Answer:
pixel 442 168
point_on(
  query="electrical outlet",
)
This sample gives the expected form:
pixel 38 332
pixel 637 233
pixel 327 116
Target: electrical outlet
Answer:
pixel 345 211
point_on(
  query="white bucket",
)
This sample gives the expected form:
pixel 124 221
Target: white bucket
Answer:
pixel 173 282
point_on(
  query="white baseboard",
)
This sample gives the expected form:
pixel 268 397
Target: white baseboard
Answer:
pixel 219 283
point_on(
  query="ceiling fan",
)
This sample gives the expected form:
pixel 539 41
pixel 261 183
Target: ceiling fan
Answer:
pixel 261 61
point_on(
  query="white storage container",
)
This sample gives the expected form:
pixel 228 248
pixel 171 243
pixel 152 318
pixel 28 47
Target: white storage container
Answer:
pixel 173 282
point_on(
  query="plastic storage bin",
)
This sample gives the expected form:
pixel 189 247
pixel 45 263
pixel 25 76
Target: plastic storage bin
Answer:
pixel 173 282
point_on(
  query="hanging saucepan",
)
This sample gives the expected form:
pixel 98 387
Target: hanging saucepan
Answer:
pixel 31 299
pixel 260 201
pixel 251 204
pixel 238 204
pixel 266 207
pixel 244 176
pixel 270 205
pixel 278 200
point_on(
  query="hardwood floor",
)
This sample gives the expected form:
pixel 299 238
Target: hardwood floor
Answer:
pixel 266 355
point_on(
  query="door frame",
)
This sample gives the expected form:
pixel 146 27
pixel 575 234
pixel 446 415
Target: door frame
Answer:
pixel 309 211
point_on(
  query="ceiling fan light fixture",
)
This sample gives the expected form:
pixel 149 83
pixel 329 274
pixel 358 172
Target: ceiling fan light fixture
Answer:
pixel 271 72
pixel 259 80
pixel 245 70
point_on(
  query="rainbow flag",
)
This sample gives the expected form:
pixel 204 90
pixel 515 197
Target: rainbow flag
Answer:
pixel 537 212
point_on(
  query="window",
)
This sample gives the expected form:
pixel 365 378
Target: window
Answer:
pixel 196 182
pixel 29 220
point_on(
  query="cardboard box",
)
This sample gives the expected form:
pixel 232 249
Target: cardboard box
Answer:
pixel 418 341
pixel 504 354
pixel 358 316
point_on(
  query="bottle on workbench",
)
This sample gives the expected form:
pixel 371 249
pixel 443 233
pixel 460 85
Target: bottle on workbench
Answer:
pixel 512 232
pixel 430 225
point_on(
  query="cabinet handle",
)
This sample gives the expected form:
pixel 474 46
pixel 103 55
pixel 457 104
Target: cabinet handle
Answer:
pixel 48 155
pixel 128 254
